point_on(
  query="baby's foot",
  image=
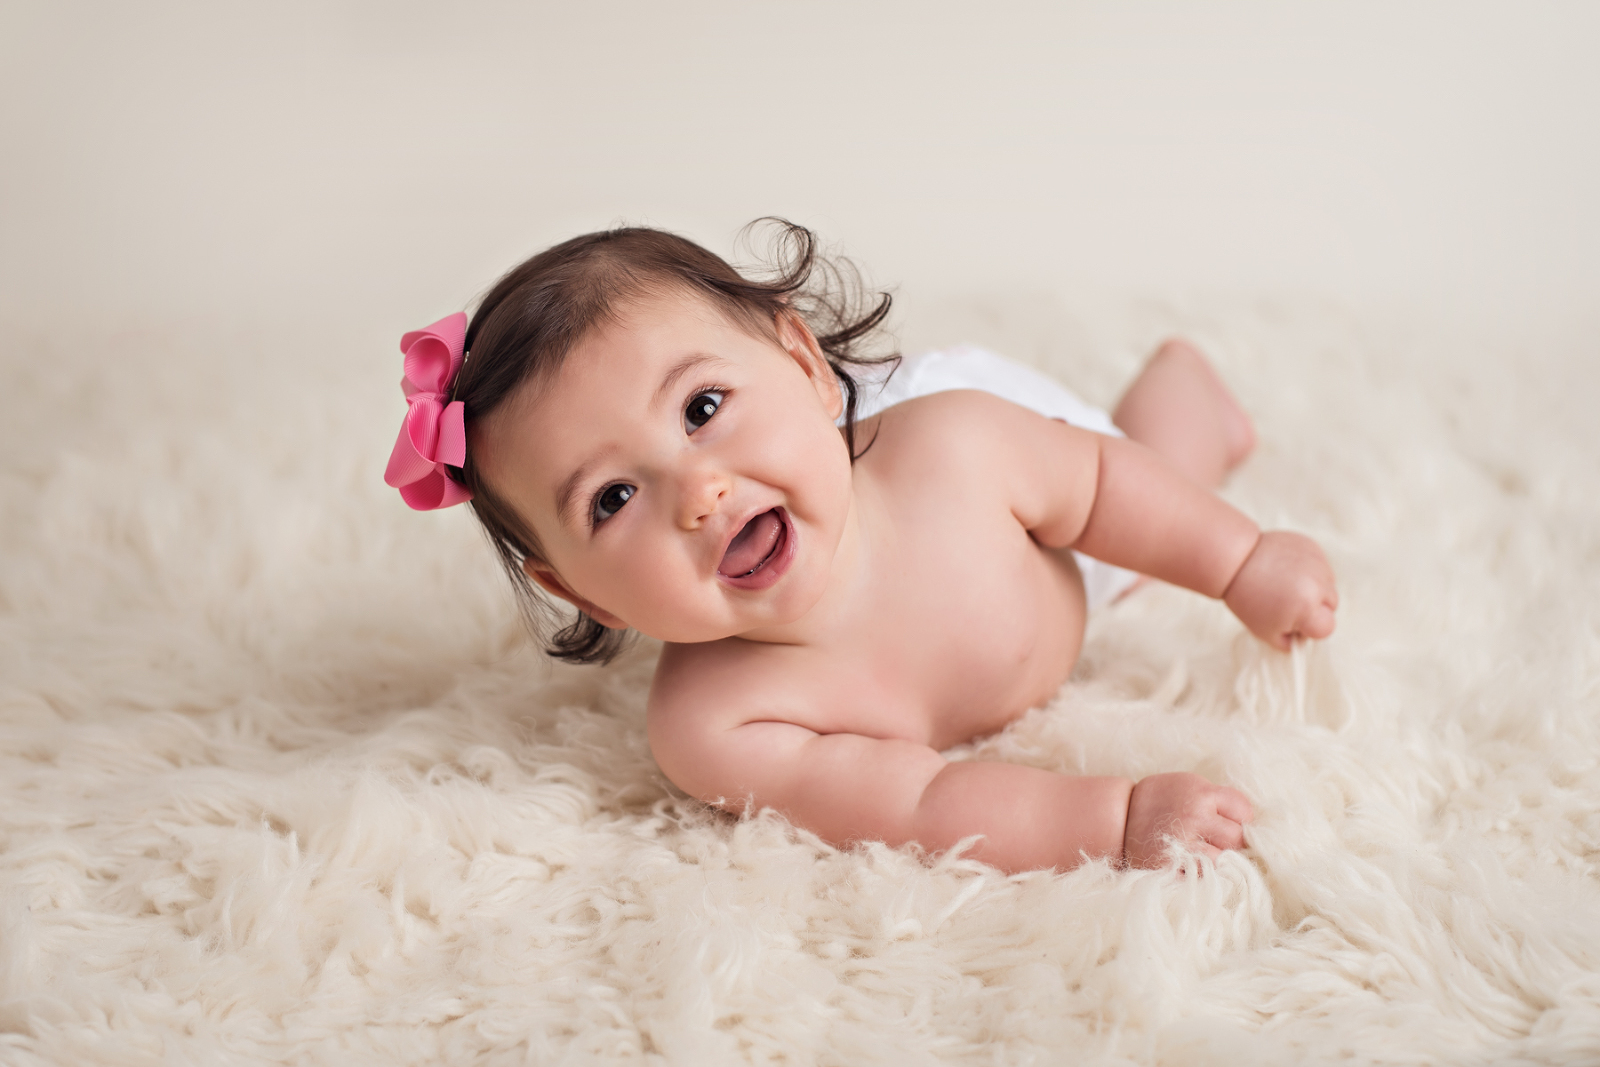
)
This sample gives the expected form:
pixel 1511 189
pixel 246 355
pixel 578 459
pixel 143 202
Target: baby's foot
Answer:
pixel 1239 432
pixel 1180 408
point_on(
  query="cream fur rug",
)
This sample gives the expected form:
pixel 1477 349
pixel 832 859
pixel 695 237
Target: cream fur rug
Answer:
pixel 280 781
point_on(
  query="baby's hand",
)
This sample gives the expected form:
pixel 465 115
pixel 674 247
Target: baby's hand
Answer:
pixel 1184 806
pixel 1284 590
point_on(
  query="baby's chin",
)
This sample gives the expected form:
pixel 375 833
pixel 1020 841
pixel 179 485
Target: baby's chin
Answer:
pixel 753 625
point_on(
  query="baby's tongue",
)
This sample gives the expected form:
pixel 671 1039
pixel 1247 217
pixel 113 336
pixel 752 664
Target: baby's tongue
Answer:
pixel 751 545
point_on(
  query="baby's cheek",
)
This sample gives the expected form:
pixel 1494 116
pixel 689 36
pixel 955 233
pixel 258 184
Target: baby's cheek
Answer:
pixel 828 478
pixel 660 603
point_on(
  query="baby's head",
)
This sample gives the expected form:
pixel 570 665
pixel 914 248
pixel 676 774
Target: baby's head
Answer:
pixel 651 436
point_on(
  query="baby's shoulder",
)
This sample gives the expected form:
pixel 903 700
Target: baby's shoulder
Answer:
pixel 963 427
pixel 710 677
pixel 952 407
pixel 703 694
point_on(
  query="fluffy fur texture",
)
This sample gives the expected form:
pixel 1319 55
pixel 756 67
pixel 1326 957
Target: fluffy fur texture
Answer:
pixel 283 781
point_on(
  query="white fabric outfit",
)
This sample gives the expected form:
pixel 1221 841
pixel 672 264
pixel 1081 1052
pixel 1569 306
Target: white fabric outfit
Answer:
pixel 969 367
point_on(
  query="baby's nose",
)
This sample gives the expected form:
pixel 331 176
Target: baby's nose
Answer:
pixel 703 490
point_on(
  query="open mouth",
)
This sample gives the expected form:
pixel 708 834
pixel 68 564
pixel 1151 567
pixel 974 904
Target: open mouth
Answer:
pixel 759 552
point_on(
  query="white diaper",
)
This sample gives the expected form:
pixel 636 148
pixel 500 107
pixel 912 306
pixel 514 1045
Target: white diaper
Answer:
pixel 967 367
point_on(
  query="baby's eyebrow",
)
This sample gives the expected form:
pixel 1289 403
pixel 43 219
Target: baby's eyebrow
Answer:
pixel 565 495
pixel 679 369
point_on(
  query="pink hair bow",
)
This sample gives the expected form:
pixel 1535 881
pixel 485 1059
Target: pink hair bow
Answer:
pixel 433 433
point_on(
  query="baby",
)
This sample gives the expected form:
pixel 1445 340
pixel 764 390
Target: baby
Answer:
pixel 672 448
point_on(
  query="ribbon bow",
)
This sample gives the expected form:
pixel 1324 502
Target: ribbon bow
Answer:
pixel 433 433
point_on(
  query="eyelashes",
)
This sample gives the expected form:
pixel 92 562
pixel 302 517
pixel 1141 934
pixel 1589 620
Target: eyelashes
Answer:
pixel 609 501
pixel 702 407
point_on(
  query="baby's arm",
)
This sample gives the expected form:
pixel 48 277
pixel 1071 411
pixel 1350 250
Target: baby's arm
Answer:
pixel 847 787
pixel 1118 501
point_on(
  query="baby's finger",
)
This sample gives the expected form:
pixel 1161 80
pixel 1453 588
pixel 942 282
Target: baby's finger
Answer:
pixel 1232 804
pixel 1224 833
pixel 1318 622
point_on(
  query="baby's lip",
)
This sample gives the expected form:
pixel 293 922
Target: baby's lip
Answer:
pixel 759 551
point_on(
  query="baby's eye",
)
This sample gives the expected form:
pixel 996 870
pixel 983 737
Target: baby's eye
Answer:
pixel 610 501
pixel 700 409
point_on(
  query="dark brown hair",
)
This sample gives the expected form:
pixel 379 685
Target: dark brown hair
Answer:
pixel 534 316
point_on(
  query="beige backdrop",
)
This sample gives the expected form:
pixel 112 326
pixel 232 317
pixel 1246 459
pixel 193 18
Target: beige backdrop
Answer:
pixel 369 166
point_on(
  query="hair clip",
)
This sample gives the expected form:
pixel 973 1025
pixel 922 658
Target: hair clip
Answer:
pixel 434 432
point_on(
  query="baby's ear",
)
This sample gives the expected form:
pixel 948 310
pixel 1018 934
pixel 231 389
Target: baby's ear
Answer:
pixel 801 344
pixel 552 583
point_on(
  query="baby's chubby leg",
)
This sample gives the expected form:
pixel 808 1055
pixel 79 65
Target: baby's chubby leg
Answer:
pixel 1180 408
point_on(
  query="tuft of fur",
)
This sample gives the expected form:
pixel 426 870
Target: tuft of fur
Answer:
pixel 283 781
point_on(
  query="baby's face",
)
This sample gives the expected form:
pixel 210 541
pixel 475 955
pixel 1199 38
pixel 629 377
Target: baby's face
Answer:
pixel 684 476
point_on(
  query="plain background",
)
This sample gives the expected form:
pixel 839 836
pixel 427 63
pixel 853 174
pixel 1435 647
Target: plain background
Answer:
pixel 364 167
